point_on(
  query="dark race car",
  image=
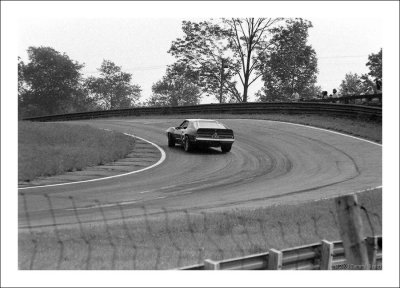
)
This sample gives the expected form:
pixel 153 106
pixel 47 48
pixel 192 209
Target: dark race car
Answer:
pixel 201 132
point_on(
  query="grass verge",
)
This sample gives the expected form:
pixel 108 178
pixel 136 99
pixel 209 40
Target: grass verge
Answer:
pixel 46 149
pixel 169 240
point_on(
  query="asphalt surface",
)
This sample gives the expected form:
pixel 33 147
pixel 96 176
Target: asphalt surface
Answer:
pixel 270 163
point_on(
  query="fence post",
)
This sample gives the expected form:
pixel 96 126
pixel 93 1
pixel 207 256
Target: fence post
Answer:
pixel 274 260
pixel 211 265
pixel 351 231
pixel 326 255
pixel 372 248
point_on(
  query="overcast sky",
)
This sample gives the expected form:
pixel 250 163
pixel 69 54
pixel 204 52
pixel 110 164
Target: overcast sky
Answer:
pixel 140 45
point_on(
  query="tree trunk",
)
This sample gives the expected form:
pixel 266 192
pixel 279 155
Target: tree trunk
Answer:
pixel 222 82
pixel 245 88
pixel 247 72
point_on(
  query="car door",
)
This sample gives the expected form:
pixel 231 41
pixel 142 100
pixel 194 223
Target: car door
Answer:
pixel 180 131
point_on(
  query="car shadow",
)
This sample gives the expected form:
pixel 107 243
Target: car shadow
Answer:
pixel 199 150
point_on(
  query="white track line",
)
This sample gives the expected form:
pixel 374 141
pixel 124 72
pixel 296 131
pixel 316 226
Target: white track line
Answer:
pixel 334 132
pixel 330 131
pixel 110 177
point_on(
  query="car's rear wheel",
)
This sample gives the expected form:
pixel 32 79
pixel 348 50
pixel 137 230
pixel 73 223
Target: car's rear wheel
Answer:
pixel 171 140
pixel 187 145
pixel 226 147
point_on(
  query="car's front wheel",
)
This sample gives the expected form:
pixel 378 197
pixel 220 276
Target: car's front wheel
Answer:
pixel 171 140
pixel 187 145
pixel 226 147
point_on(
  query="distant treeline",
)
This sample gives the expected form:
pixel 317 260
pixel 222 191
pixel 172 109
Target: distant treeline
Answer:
pixel 52 83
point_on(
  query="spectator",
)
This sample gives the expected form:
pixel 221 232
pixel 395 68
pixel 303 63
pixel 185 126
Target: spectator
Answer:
pixel 335 95
pixel 378 85
pixel 295 96
pixel 324 94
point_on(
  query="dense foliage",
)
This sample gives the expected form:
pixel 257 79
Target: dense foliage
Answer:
pixel 113 88
pixel 224 54
pixel 52 83
pixel 177 88
pixel 371 82
pixel 204 50
pixel 289 65
pixel 49 83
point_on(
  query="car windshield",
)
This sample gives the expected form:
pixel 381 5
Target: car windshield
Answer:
pixel 210 124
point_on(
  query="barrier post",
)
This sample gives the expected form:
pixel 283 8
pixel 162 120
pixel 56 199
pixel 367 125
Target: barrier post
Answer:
pixel 211 265
pixel 372 248
pixel 274 260
pixel 326 255
pixel 351 231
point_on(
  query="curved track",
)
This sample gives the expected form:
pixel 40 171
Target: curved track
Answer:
pixel 270 163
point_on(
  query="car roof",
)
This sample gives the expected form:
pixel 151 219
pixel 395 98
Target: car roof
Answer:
pixel 205 120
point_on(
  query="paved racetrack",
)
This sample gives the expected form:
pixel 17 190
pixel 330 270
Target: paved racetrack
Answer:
pixel 270 163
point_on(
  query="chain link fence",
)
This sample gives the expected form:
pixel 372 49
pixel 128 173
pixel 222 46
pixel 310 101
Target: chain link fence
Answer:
pixel 102 235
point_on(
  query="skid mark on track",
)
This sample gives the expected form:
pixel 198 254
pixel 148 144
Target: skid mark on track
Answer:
pixel 326 130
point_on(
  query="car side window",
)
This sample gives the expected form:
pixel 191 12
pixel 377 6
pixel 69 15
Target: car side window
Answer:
pixel 184 125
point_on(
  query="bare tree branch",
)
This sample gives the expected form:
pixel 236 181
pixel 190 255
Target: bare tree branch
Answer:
pixel 258 76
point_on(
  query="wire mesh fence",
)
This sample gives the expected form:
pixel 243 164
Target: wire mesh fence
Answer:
pixel 62 233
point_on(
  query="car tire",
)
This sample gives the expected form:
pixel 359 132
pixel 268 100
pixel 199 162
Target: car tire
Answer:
pixel 226 147
pixel 187 145
pixel 171 140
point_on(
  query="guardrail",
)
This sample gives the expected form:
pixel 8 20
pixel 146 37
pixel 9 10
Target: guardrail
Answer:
pixel 347 110
pixel 320 256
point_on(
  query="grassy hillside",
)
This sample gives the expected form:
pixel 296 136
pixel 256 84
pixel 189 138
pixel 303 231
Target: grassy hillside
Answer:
pixel 46 149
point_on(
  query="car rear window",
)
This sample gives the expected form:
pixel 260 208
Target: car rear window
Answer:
pixel 210 124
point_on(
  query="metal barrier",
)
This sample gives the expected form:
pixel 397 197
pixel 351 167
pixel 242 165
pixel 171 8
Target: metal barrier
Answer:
pixel 333 109
pixel 320 256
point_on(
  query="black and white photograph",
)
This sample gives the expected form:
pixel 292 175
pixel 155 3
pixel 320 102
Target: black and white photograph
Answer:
pixel 141 139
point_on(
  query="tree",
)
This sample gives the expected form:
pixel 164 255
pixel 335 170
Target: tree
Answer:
pixel 370 83
pixel 234 45
pixel 375 71
pixel 352 85
pixel 248 39
pixel 177 88
pixel 21 88
pixel 289 65
pixel 375 65
pixel 113 88
pixel 312 92
pixel 205 49
pixel 48 83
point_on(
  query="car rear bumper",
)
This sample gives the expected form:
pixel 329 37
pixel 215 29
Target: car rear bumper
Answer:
pixel 214 140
